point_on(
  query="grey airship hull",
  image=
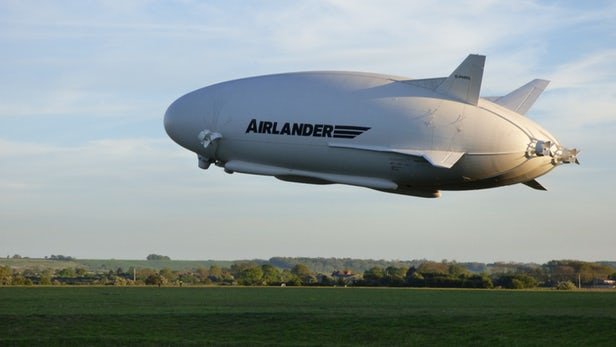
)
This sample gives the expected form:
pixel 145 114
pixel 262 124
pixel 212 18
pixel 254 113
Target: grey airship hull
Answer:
pixel 393 134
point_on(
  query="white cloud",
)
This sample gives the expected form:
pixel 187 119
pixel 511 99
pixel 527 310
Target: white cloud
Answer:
pixel 74 102
pixel 596 70
pixel 583 92
pixel 100 166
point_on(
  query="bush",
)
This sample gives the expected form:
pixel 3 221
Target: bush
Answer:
pixel 515 281
pixel 156 279
pixel 565 285
pixel 45 280
pixel 294 282
pixel 120 281
pixel 516 284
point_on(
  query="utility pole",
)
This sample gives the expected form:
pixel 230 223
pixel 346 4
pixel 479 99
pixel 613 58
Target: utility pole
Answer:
pixel 579 281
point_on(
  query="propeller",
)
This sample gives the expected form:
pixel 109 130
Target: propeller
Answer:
pixel 566 155
pixel 206 137
pixel 559 154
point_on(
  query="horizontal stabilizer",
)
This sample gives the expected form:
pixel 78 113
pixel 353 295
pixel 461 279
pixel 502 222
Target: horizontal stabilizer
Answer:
pixel 464 83
pixel 443 159
pixel 535 185
pixel 523 98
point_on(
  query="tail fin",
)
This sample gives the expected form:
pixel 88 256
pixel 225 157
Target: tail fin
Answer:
pixel 465 82
pixel 534 184
pixel 523 98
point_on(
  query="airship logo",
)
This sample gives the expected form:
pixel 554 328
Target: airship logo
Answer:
pixel 305 129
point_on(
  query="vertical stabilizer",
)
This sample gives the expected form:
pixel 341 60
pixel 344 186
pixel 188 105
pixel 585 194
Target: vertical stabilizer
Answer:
pixel 464 83
pixel 521 99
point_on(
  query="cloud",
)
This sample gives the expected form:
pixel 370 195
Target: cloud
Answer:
pixel 130 54
pixel 595 70
pixel 583 92
pixel 52 167
pixel 113 166
pixel 382 34
pixel 75 102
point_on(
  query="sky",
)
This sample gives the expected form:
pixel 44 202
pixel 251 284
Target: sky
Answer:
pixel 87 170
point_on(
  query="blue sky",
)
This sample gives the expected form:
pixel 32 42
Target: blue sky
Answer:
pixel 87 170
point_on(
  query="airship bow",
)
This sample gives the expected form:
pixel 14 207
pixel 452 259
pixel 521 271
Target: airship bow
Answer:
pixel 393 134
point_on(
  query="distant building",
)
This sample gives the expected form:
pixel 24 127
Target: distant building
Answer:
pixel 345 277
pixel 603 284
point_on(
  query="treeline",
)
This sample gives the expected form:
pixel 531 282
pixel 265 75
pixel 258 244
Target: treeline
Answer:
pixel 564 274
pixel 51 257
pixel 330 265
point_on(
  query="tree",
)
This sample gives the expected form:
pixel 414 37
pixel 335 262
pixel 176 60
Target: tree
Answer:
pixel 60 257
pixel 68 272
pixel 293 281
pixel 168 275
pixel 143 274
pixel 486 281
pixel 251 276
pixel 574 270
pixel 237 268
pixel 300 270
pixel 45 278
pixel 304 274
pixel 433 267
pixel 215 273
pixel 395 276
pixel 456 269
pixel 157 257
pixel 271 274
pixel 515 281
pixel 202 275
pixel 156 279
pixel 326 280
pixel 120 281
pixel 6 275
pixel 287 277
pixel 374 276
pixel 19 279
pixel 29 273
pixel 414 278
pixel 188 277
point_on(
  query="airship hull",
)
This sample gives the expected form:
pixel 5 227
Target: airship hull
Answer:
pixel 388 133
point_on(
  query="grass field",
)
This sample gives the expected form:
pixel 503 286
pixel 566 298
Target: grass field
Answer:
pixel 111 264
pixel 151 316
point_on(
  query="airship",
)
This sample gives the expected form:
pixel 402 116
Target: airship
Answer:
pixel 393 134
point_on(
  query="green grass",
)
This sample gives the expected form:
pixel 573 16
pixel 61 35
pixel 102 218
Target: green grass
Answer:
pixel 21 264
pixel 180 265
pixel 111 264
pixel 151 316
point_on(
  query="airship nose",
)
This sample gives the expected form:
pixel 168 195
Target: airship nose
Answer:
pixel 173 123
pixel 179 124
